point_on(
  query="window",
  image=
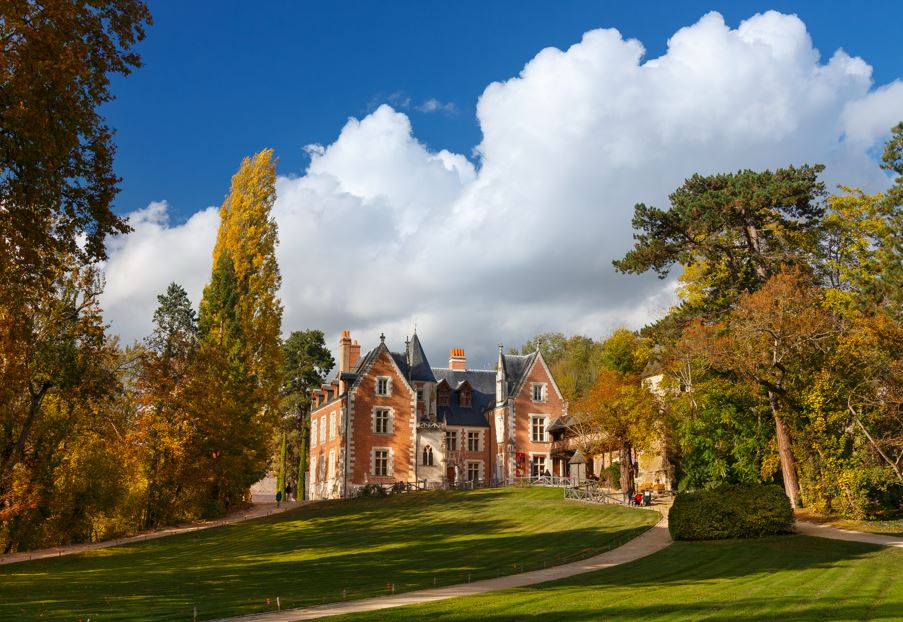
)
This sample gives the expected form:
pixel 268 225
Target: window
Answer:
pixel 381 462
pixel 539 392
pixel 420 395
pixel 451 440
pixel 473 441
pixel 473 471
pixel 464 398
pixel 313 433
pixel 382 385
pixel 322 429
pixel 382 421
pixel 321 468
pixel 331 425
pixel 427 456
pixel 331 467
pixel 538 429
pixel 443 396
pixel 537 465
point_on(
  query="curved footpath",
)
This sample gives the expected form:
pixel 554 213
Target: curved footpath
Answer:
pixel 655 539
pixel 835 533
pixel 255 511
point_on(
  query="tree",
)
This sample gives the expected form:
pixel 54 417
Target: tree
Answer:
pixel 625 413
pixel 247 233
pixel 776 334
pixel 730 232
pixel 307 360
pixel 165 431
pixel 55 353
pixel 56 153
pixel 625 352
pixel 573 361
pixel 890 253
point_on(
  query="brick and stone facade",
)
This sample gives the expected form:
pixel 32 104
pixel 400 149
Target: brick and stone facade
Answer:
pixel 390 417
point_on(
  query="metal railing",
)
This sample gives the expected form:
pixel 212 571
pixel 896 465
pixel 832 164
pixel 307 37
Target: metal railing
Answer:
pixel 590 491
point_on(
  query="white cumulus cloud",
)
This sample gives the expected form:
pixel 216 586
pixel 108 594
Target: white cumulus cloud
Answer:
pixel 381 232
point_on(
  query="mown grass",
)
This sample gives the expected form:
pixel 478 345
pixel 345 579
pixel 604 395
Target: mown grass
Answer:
pixel 776 578
pixel 310 555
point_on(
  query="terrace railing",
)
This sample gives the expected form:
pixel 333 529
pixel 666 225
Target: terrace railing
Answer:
pixel 590 491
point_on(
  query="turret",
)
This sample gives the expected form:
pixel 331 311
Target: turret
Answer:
pixel 501 380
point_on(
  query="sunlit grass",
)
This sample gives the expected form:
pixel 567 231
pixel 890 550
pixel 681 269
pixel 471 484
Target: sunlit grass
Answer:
pixel 779 578
pixel 310 555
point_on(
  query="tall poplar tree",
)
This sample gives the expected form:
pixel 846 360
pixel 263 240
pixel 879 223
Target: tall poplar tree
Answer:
pixel 248 234
pixel 238 374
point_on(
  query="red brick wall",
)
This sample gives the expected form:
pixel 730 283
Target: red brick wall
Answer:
pixel 524 406
pixel 364 439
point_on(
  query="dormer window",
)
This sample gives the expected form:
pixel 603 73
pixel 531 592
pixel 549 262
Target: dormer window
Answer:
pixel 464 398
pixel 383 385
pixel 443 396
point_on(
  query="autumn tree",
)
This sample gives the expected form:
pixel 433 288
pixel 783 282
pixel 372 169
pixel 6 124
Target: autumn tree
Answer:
pixel 56 153
pixel 626 415
pixel 165 431
pixel 247 233
pixel 776 334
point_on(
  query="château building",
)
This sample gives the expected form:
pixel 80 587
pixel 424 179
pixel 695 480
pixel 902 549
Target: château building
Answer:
pixel 388 417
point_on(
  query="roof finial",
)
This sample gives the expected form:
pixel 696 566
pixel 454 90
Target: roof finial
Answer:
pixel 382 338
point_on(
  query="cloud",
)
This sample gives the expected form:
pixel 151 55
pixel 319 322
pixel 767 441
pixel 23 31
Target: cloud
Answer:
pixel 381 231
pixel 434 105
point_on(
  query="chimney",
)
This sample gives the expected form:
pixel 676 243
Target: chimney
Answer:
pixel 355 354
pixel 457 360
pixel 345 352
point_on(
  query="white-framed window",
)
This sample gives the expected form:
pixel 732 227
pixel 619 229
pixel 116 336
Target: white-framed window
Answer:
pixel 427 456
pixel 331 468
pixel 383 385
pixel 383 421
pixel 451 440
pixel 473 441
pixel 321 467
pixel 382 462
pixel 322 429
pixel 537 465
pixel 539 392
pixel 313 433
pixel 332 420
pixel 474 471
pixel 538 425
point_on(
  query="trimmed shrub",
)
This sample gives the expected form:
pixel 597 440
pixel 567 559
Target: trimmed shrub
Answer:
pixel 612 475
pixel 730 511
pixel 371 490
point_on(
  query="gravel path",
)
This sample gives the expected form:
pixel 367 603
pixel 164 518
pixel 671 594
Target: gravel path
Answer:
pixel 653 540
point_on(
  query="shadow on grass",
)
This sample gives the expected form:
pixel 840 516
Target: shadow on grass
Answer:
pixel 309 555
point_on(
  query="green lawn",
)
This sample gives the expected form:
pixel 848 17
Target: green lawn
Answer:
pixel 309 555
pixel 778 578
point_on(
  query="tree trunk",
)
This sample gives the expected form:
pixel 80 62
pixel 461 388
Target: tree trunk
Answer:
pixel 788 463
pixel 625 462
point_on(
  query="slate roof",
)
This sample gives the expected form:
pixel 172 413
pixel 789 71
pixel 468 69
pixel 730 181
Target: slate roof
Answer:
pixel 419 366
pixel 516 368
pixel 482 383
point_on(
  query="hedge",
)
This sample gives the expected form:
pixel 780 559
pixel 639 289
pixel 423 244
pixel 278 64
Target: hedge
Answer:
pixel 730 511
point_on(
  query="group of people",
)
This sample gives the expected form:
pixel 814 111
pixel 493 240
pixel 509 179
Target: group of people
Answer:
pixel 633 497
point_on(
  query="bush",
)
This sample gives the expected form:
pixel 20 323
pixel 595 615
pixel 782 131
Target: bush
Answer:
pixel 612 474
pixel 371 490
pixel 730 511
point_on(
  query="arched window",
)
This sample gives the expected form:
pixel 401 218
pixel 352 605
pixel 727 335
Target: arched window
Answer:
pixel 427 456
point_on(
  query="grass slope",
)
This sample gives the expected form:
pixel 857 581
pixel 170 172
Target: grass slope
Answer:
pixel 776 578
pixel 308 556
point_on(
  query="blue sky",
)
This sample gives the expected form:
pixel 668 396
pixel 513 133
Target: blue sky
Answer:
pixel 390 219
pixel 222 80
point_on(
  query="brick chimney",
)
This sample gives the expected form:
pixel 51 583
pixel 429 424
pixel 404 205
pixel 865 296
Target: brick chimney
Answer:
pixel 355 354
pixel 457 360
pixel 345 352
